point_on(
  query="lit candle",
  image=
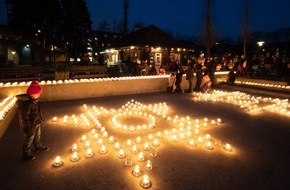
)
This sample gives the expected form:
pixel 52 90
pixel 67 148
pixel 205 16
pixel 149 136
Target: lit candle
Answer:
pixel 117 146
pixel 209 145
pixel 199 140
pixel 150 137
pixel 146 146
pixel 136 171
pixel 208 137
pixel 174 138
pixel 148 165
pixel 134 149
pixel 141 156
pixel 191 143
pixel 74 147
pixel 89 153
pixel 57 161
pixel 100 141
pixel 166 132
pixel 145 182
pixel 84 138
pixel 182 136
pixel 156 142
pixel 228 147
pixel 138 140
pixel 121 153
pixel 111 140
pixel 105 134
pixel 74 157
pixel 159 135
pixel 87 144
pixel 103 149
pixel 54 119
pixel 129 143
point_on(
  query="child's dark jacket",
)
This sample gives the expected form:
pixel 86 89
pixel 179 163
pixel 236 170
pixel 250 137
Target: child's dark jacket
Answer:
pixel 29 112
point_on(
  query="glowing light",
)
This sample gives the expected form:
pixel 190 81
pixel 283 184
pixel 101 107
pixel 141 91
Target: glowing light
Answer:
pixel 228 147
pixel 89 153
pixel 136 171
pixel 74 147
pixel 141 156
pixel 74 157
pixel 148 165
pixel 121 153
pixel 145 182
pixel 57 162
pixel 103 149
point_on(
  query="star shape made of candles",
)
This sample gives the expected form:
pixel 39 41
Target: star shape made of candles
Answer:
pixel 145 127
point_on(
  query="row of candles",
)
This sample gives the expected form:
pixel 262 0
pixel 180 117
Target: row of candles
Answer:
pixel 48 82
pixel 249 103
pixel 263 84
pixel 5 106
pixel 187 130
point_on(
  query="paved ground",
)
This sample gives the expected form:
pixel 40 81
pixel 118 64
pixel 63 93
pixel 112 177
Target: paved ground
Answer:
pixel 259 160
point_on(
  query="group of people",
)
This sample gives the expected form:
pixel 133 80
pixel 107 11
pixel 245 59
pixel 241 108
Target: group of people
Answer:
pixel 203 72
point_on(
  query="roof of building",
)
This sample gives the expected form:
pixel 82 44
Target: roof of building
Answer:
pixel 151 36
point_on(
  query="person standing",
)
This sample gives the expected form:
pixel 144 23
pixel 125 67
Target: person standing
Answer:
pixel 30 119
pixel 199 71
pixel 178 81
pixel 190 75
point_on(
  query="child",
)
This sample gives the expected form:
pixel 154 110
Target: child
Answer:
pixel 30 118
pixel 206 83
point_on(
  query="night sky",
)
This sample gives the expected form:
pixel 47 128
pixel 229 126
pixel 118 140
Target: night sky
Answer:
pixel 186 17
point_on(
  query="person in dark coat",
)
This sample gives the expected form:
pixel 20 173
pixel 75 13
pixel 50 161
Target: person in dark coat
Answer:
pixel 30 118
pixel 199 71
pixel 190 75
pixel 178 81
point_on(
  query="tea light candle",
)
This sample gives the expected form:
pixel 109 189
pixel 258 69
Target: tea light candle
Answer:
pixel 74 157
pixel 74 147
pixel 111 140
pixel 150 137
pixel 228 147
pixel 121 153
pixel 209 145
pixel 87 144
pixel 191 143
pixel 148 165
pixel 89 153
pixel 134 149
pixel 208 137
pixel 146 182
pixel 117 146
pixel 141 156
pixel 146 146
pixel 84 138
pixel 156 142
pixel 57 162
pixel 138 140
pixel 174 138
pixel 100 141
pixel 159 135
pixel 103 149
pixel 129 143
pixel 54 119
pixel 136 171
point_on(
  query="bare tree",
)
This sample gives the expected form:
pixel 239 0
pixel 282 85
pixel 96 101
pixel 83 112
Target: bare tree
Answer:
pixel 126 5
pixel 208 38
pixel 246 29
